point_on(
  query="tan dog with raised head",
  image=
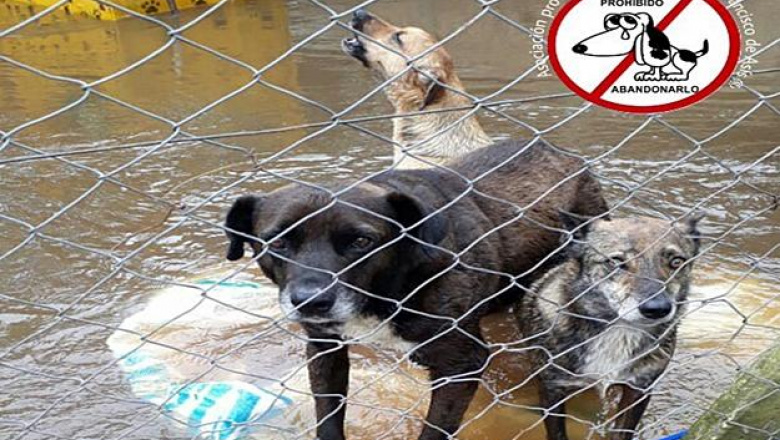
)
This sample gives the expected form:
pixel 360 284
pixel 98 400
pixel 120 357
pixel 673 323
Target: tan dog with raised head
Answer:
pixel 429 86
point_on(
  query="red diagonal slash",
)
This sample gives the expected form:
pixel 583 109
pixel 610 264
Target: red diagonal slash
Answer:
pixel 629 59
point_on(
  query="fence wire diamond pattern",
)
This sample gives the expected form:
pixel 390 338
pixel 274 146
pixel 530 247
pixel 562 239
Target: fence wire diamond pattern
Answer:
pixel 56 393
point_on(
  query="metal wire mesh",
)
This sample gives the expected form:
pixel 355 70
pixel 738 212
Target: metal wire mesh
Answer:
pixel 123 267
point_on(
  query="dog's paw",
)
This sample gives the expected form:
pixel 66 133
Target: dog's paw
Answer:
pixel 644 76
pixel 151 6
pixel 676 77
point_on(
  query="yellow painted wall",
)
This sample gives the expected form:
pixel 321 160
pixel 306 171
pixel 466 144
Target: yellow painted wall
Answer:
pixel 179 81
pixel 73 9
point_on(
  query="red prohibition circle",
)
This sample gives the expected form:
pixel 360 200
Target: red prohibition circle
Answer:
pixel 723 76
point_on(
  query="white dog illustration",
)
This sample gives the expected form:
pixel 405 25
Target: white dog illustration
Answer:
pixel 637 32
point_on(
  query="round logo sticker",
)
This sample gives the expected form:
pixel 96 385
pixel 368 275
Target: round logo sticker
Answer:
pixel 644 56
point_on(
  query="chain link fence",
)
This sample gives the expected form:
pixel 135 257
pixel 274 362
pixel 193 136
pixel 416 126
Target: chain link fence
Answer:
pixel 121 320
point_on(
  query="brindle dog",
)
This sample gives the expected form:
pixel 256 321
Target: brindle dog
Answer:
pixel 412 259
pixel 607 316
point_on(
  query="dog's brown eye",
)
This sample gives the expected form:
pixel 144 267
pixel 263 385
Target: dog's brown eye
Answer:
pixel 362 242
pixel 397 38
pixel 676 262
pixel 279 244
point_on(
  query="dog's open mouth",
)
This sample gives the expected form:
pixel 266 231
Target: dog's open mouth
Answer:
pixel 355 48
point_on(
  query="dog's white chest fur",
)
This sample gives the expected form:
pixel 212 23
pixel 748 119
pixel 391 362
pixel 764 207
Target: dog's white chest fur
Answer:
pixel 611 355
pixel 373 332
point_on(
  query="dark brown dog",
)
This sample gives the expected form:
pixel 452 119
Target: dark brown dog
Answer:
pixel 411 260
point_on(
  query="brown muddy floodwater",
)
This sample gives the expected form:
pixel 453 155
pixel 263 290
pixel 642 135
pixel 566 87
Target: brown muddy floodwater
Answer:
pixel 56 369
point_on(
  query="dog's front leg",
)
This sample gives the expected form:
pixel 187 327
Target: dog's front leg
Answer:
pixel 329 379
pixel 458 365
pixel 448 404
pixel 633 403
pixel 654 74
pixel 553 399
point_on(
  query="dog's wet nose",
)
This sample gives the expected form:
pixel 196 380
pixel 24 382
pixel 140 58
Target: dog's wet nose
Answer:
pixel 657 307
pixel 311 300
pixel 579 48
pixel 359 18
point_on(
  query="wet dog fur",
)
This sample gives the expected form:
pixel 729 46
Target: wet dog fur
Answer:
pixel 430 85
pixel 607 315
pixel 409 289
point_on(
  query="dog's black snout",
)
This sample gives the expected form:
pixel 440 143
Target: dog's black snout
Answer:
pixel 311 297
pixel 657 307
pixel 579 48
pixel 359 18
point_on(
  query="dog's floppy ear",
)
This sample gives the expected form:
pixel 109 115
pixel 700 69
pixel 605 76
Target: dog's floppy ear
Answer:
pixel 241 218
pixel 433 71
pixel 433 89
pixel 410 210
pixel 647 18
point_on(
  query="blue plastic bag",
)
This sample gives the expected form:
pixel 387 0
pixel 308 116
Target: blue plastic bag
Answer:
pixel 220 410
